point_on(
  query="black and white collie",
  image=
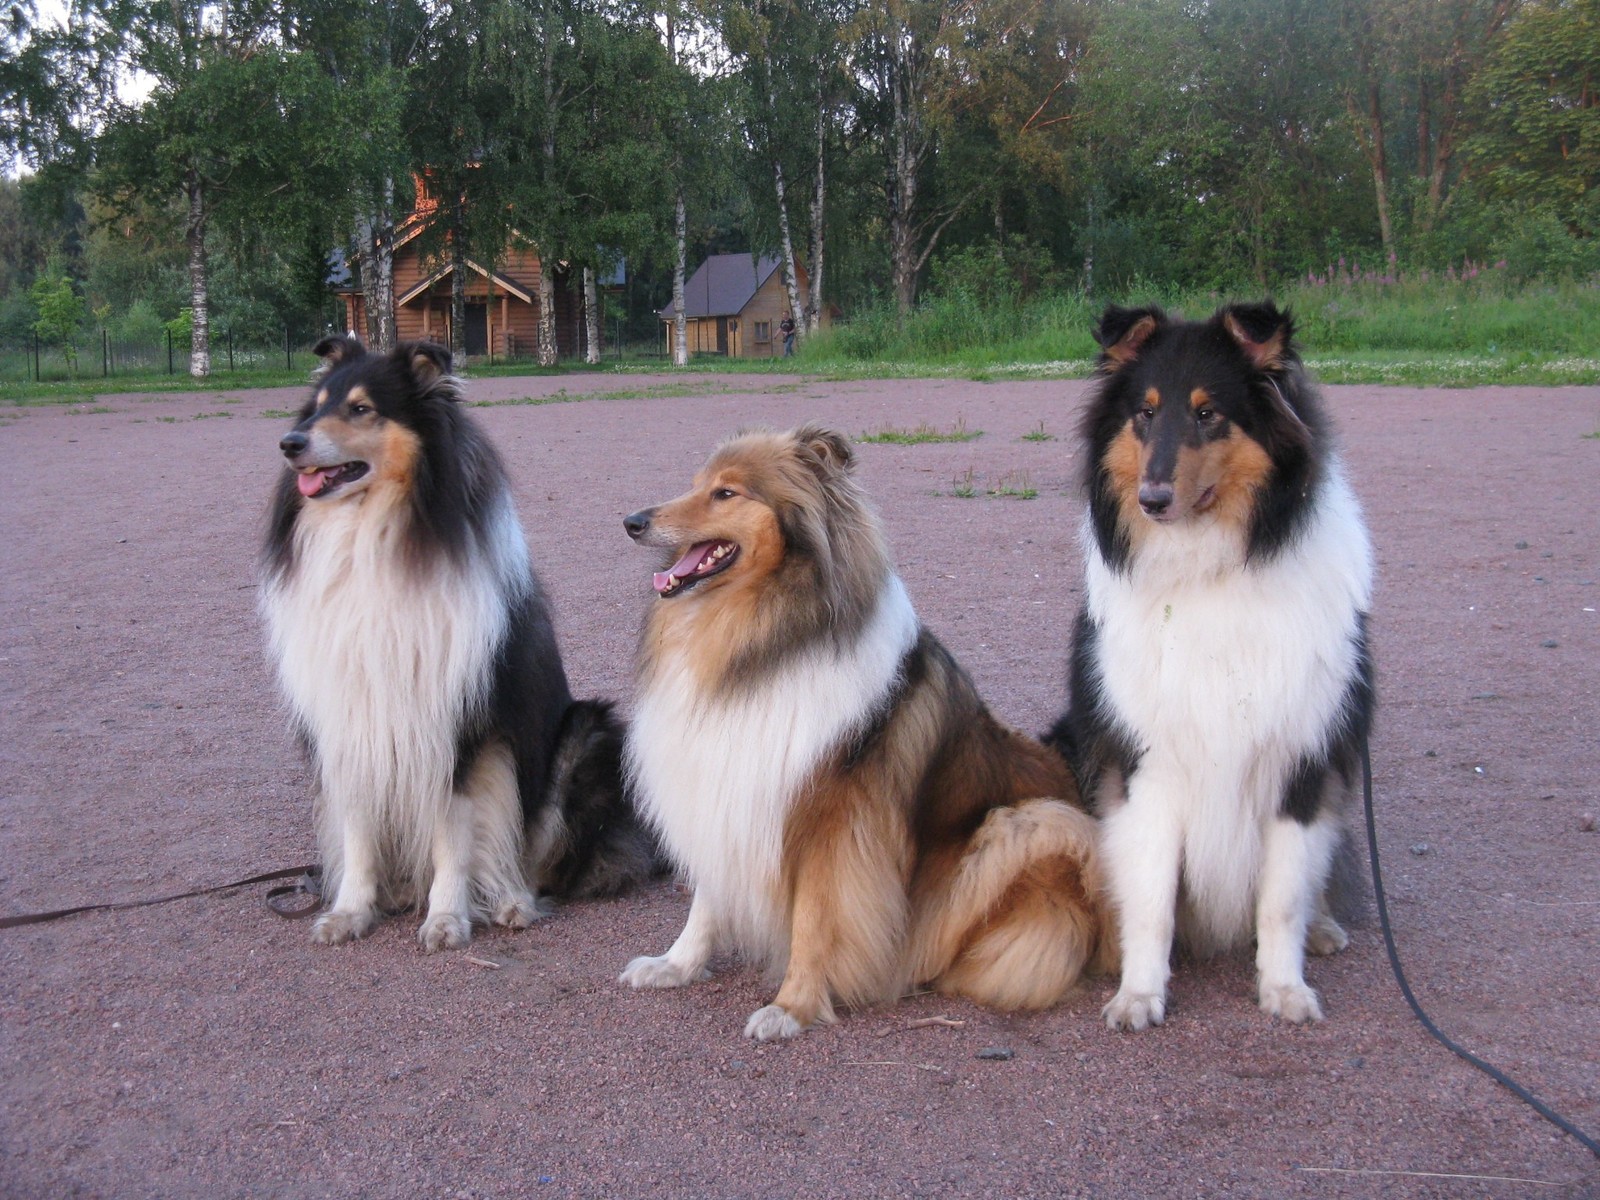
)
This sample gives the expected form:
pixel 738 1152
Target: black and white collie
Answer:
pixel 418 657
pixel 850 815
pixel 1221 684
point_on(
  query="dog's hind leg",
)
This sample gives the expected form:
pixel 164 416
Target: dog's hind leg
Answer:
pixel 1294 869
pixel 351 853
pixel 1020 922
pixel 498 839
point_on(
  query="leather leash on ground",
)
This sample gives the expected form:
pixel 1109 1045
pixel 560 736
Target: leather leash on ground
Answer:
pixel 1494 1073
pixel 279 899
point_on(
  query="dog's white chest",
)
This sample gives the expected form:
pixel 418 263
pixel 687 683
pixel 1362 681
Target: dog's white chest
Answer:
pixel 378 659
pixel 719 775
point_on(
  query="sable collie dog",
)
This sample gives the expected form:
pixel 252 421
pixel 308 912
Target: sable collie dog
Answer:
pixel 417 654
pixel 1221 686
pixel 848 812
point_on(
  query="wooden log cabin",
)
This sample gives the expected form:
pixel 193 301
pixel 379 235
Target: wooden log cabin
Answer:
pixel 502 309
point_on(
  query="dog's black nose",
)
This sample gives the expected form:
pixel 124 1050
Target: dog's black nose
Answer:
pixel 1155 498
pixel 294 442
pixel 637 523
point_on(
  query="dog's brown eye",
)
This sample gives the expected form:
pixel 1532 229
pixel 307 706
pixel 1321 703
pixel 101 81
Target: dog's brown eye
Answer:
pixel 724 494
pixel 357 409
pixel 1205 415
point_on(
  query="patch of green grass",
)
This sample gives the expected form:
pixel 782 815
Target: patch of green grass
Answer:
pixel 203 416
pixel 277 414
pixel 966 487
pixel 168 420
pixel 1038 435
pixel 96 408
pixel 1016 485
pixel 1434 333
pixel 921 435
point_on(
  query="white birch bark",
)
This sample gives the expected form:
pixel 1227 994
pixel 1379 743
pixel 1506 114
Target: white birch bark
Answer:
pixel 591 318
pixel 199 298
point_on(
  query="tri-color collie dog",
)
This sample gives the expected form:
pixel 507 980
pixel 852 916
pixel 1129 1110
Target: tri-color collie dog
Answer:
pixel 849 814
pixel 417 653
pixel 1221 685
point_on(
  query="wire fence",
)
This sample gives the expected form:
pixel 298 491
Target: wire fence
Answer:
pixel 102 356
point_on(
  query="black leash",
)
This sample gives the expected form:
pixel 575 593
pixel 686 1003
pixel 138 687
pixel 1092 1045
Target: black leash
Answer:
pixel 1494 1073
pixel 279 899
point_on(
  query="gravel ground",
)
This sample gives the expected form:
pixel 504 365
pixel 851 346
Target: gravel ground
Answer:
pixel 205 1048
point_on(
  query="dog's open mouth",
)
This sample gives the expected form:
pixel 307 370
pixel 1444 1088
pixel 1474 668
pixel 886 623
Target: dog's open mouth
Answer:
pixel 701 562
pixel 321 480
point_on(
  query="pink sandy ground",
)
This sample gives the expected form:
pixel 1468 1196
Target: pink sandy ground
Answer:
pixel 206 1049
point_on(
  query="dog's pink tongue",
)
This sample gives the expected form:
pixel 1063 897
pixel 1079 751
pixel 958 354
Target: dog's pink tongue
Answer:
pixel 683 568
pixel 310 482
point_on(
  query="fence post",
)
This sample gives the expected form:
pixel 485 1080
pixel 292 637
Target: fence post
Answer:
pixel 288 351
pixel 169 352
pixel 105 353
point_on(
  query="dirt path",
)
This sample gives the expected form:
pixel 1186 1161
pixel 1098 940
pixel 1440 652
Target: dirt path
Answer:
pixel 206 1049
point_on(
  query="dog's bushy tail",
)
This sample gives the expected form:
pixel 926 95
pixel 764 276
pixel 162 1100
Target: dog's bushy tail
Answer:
pixel 589 841
pixel 1021 920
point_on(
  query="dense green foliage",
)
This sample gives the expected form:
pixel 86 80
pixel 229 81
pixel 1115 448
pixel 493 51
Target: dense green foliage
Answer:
pixel 978 178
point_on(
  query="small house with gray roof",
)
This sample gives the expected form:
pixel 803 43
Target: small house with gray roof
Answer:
pixel 733 305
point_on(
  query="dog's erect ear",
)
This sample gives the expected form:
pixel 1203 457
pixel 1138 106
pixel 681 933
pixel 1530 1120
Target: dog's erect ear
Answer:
pixel 830 447
pixel 428 362
pixel 1122 331
pixel 335 350
pixel 1261 331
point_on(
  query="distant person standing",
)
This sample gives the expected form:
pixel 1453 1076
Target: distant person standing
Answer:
pixel 786 327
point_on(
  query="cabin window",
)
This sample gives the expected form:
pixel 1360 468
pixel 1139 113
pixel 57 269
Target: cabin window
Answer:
pixel 763 331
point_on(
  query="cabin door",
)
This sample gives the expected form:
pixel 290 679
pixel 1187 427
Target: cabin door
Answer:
pixel 477 329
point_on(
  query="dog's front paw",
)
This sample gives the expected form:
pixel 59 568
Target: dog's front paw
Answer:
pixel 1326 936
pixel 662 972
pixel 1293 1002
pixel 445 931
pixel 771 1023
pixel 1135 1010
pixel 518 912
pixel 336 928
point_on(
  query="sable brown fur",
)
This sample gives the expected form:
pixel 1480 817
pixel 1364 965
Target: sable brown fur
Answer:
pixel 926 843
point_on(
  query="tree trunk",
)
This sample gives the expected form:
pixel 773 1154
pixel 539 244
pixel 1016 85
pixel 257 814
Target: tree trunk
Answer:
pixel 382 295
pixel 791 280
pixel 458 288
pixel 195 237
pixel 813 314
pixel 591 318
pixel 548 349
pixel 1368 126
pixel 680 321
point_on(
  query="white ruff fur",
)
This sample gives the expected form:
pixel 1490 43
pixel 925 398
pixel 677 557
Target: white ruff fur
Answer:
pixel 717 777
pixel 380 663
pixel 1225 676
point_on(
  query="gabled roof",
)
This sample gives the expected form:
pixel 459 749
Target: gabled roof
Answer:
pixel 503 281
pixel 723 285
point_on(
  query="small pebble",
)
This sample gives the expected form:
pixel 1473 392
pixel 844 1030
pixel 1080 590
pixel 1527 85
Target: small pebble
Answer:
pixel 1549 643
pixel 1430 754
pixel 996 1053
pixel 1587 822
pixel 1522 545
pixel 1421 848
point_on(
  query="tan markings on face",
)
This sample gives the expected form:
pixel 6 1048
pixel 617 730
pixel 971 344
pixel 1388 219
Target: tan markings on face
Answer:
pixel 1199 398
pixel 357 395
pixel 397 459
pixel 1238 469
pixel 1124 464
pixel 322 397
pixel 1152 398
